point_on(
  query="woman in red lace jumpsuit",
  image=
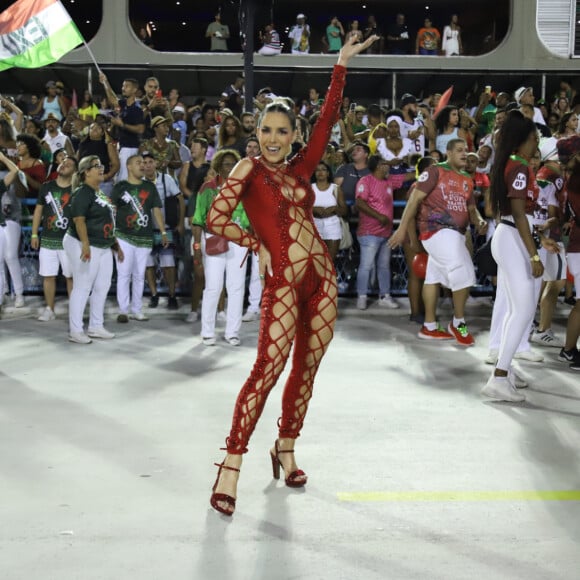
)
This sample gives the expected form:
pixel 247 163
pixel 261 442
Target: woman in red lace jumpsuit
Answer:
pixel 300 295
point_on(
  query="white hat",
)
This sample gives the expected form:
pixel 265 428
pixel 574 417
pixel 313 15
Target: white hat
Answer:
pixel 549 149
pixel 520 93
pixel 300 16
pixel 178 109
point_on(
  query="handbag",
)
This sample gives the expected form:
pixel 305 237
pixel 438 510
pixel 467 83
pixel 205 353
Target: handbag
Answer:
pixel 216 245
pixel 346 237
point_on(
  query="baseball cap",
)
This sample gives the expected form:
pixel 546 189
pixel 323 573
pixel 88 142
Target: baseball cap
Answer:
pixel 408 99
pixel 178 109
pixel 50 84
pixel 520 93
pixel 300 16
pixel 158 120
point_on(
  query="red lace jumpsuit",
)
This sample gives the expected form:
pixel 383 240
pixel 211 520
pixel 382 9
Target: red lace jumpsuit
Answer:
pixel 299 300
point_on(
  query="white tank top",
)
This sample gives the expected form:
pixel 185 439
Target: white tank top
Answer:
pixel 326 198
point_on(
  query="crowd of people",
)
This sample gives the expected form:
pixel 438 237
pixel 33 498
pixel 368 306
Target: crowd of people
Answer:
pixel 138 173
pixel 394 38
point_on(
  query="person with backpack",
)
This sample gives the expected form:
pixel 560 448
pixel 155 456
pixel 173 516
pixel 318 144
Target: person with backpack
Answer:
pixel 173 209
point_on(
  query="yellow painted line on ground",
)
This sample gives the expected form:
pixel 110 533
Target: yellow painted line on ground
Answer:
pixel 409 496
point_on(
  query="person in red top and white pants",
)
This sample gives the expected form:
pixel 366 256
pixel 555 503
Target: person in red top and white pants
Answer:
pixel 513 197
pixel 443 204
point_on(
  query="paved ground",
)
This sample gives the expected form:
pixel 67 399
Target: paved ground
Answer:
pixel 107 453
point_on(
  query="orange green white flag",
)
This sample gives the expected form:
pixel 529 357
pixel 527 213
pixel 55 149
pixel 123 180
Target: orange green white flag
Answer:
pixel 35 33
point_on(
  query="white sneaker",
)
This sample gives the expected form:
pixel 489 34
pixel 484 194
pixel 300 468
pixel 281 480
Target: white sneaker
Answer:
pixel 361 302
pixel 222 316
pixel 387 302
pixel 233 341
pixel 250 316
pixel 491 358
pixel 138 316
pixel 208 341
pixel 100 332
pixel 529 355
pixel 546 338
pixel 47 315
pixel 192 316
pixel 517 381
pixel 19 301
pixel 79 337
pixel 501 389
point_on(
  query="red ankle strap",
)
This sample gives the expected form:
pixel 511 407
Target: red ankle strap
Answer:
pixel 222 466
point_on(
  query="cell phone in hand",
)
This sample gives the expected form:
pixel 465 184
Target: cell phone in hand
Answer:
pixel 159 93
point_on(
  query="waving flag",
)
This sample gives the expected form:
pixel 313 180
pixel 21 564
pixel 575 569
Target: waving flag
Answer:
pixel 34 33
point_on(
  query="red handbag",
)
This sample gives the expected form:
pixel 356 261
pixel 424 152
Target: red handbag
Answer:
pixel 216 245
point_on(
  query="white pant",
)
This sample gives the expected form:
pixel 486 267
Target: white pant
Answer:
pixel 124 154
pixel 516 283
pixel 89 278
pixel 215 268
pixel 449 261
pixel 51 261
pixel 12 232
pixel 268 51
pixel 255 287
pixel 131 271
pixel 574 267
pixel 2 243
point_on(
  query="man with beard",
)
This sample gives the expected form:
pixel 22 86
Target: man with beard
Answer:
pixel 248 125
pixel 415 127
pixel 347 175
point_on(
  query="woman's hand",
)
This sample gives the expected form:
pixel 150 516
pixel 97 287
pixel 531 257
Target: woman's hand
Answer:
pixel 537 269
pixel 352 47
pixel 397 239
pixel 550 245
pixel 265 263
pixel 85 252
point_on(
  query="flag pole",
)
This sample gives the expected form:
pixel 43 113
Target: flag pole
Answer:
pixel 92 57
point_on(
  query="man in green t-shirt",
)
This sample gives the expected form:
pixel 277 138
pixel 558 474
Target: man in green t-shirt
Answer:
pixel 52 213
pixel 219 34
pixel 137 202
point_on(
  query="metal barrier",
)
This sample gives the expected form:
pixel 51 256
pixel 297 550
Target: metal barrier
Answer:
pixel 346 266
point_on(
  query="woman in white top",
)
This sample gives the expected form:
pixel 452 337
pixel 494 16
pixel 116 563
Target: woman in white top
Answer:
pixel 328 205
pixel 451 43
pixel 394 149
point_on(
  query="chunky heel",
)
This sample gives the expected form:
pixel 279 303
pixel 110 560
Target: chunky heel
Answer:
pixel 223 497
pixel 296 479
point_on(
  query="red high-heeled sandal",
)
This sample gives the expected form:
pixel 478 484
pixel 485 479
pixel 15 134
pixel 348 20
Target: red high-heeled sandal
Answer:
pixel 223 497
pixel 292 479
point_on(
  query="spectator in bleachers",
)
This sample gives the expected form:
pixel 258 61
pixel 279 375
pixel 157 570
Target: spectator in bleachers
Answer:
pixel 153 104
pixel 447 124
pixel 395 150
pixel 36 128
pixel 525 96
pixel 164 150
pixel 54 137
pixel 218 33
pixel 299 36
pixel 334 35
pixel 248 121
pixel 347 175
pixel 528 112
pixel 29 150
pixel 329 204
pixel 97 142
pixel 128 119
pixel 568 126
pixel 179 122
pixel 167 188
pixel 5 182
pixel 416 126
pixel 57 158
pixel 230 135
pixel 88 244
pixel 50 103
pixel 88 109
pixel 374 201
pixel 192 177
pixel 271 41
pixel 11 210
pixel 233 96
pixel 354 30
pixel 52 213
pixel 15 114
pixel 7 135
pixel 174 99
pixel 428 39
pixel 372 29
pixel 451 42
pixel 399 37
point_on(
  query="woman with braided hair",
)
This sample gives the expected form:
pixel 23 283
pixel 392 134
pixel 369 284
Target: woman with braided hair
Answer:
pixel 300 295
